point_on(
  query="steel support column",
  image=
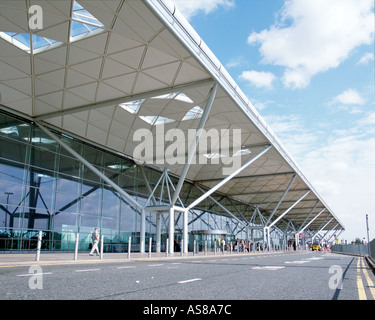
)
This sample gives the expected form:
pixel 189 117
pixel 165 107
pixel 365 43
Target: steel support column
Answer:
pixel 89 166
pixel 219 185
pixel 171 230
pixel 287 210
pixel 281 199
pixel 142 235
pixel 194 145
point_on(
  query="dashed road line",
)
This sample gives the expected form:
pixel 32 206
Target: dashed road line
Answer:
pixel 87 270
pixel 298 261
pixel 190 280
pixel 269 268
pixel 33 274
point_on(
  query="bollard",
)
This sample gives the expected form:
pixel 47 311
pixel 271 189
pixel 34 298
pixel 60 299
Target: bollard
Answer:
pixel 182 247
pixel 129 246
pixel 76 247
pixel 194 247
pixel 205 247
pixel 101 247
pixel 149 247
pixel 166 247
pixel 38 246
pixel 230 248
pixel 215 248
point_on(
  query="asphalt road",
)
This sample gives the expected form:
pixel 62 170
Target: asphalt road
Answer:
pixel 286 276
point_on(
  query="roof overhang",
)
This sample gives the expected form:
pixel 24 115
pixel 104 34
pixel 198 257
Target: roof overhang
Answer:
pixel 147 67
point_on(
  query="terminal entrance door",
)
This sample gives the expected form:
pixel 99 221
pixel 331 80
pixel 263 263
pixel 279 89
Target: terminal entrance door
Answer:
pixel 201 236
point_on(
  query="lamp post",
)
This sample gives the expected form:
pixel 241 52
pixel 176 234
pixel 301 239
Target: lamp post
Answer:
pixel 368 236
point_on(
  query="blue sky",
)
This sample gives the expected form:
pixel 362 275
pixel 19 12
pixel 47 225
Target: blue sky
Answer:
pixel 308 68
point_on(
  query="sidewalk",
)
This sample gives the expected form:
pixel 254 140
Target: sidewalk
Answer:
pixel 28 259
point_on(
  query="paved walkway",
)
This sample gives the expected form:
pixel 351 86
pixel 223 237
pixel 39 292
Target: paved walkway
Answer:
pixel 26 259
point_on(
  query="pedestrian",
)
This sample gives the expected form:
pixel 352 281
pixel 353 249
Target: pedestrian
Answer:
pixel 223 244
pixel 95 241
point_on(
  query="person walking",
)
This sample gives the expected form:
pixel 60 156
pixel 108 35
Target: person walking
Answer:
pixel 95 241
pixel 223 244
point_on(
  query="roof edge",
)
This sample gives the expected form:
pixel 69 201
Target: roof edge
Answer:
pixel 182 29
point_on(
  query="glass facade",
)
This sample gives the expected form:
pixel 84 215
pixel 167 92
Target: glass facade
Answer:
pixel 42 187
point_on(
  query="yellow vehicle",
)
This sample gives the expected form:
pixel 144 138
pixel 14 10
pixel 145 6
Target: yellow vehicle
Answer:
pixel 316 247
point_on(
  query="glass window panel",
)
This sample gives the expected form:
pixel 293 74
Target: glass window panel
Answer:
pixel 65 220
pixel 75 145
pixel 14 150
pixel 91 203
pixel 89 221
pixel 78 28
pixel 41 140
pixel 94 156
pixel 69 166
pixel 13 128
pixel 67 202
pixel 87 174
pixel 42 159
pixel 110 197
pixel 23 38
pixel 68 184
pixel 127 221
pixel 11 172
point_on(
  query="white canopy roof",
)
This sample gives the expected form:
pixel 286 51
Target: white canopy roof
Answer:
pixel 99 70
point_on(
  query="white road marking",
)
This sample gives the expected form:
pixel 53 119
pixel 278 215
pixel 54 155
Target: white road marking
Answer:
pixel 190 280
pixel 127 267
pixel 33 274
pixel 270 268
pixel 155 265
pixel 87 270
pixel 298 261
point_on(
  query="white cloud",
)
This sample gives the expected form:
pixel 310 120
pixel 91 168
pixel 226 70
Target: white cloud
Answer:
pixel 258 78
pixel 341 166
pixel 343 172
pixel 368 120
pixel 189 8
pixel 349 97
pixel 313 36
pixel 366 58
pixel 236 62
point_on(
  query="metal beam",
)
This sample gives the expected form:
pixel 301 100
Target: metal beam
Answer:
pixel 194 145
pixel 220 184
pixel 290 208
pixel 263 192
pixel 281 199
pixel 129 98
pixel 89 165
pixel 248 177
pixel 322 228
pixel 307 218
pixel 225 209
pixel 300 231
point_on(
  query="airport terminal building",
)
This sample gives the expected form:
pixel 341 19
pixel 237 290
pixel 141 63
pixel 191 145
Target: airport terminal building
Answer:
pixel 115 114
